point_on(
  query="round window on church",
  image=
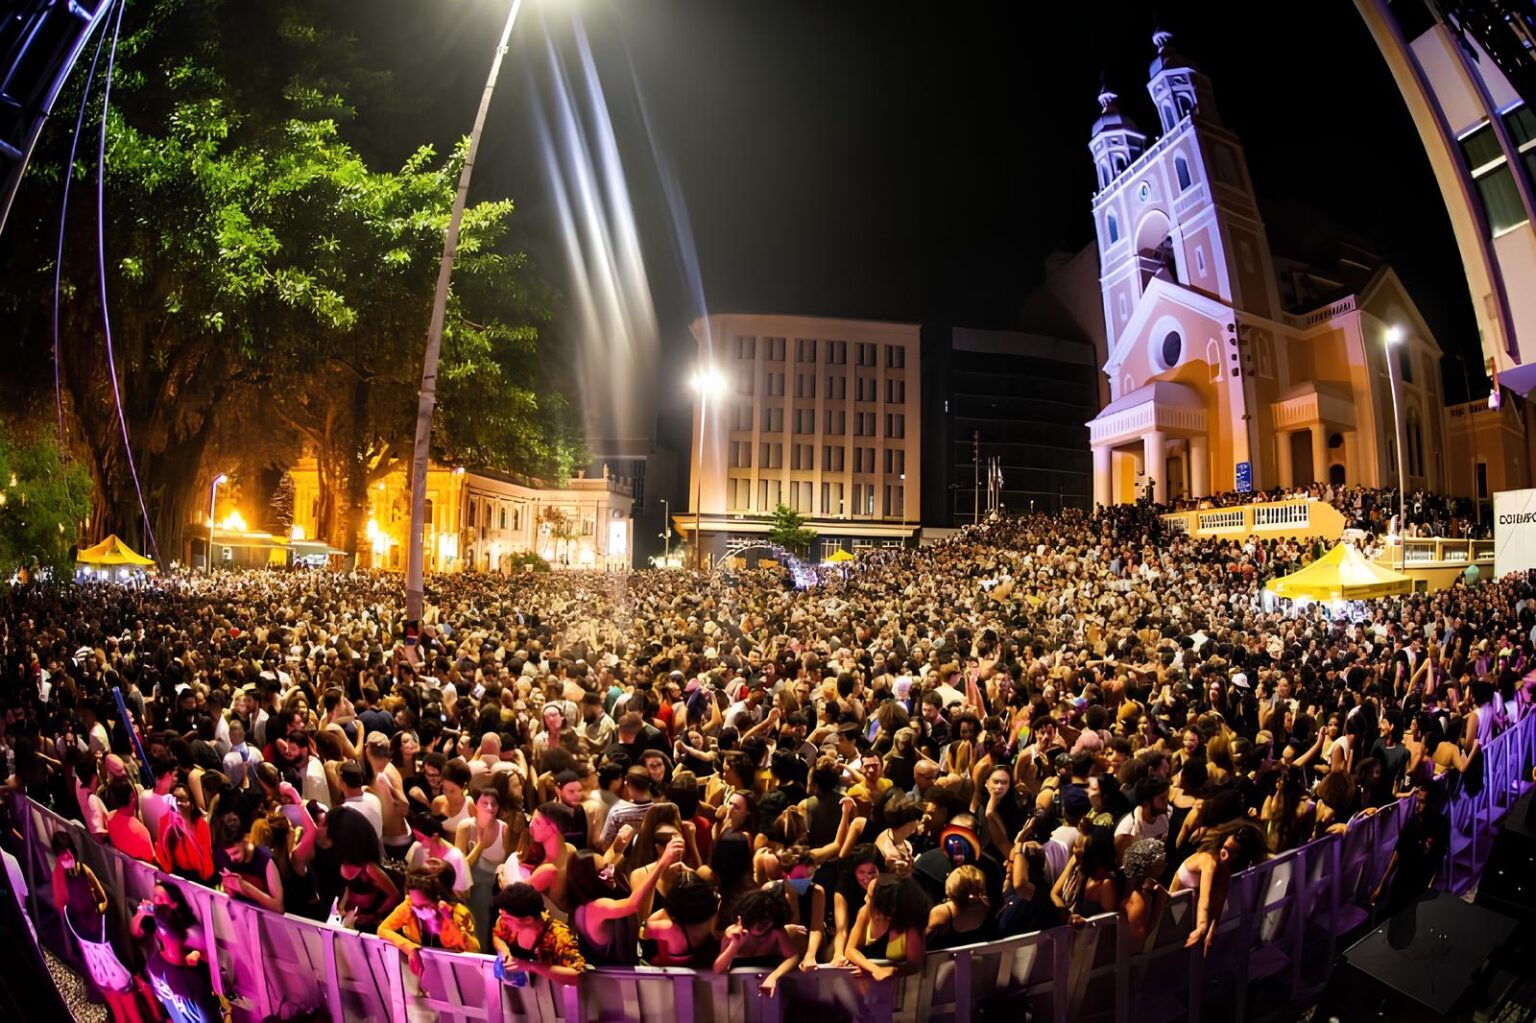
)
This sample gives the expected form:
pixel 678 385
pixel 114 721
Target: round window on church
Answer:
pixel 1173 347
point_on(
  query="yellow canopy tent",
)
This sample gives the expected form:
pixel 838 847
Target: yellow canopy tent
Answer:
pixel 838 556
pixel 1341 574
pixel 111 551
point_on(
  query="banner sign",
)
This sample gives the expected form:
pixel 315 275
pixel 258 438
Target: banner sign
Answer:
pixel 1514 531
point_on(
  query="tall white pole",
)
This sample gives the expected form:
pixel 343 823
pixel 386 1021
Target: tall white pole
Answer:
pixel 427 396
pixel 213 496
pixel 1399 443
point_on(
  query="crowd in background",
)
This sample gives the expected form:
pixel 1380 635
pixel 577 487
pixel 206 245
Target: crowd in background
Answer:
pixel 1372 510
pixel 1042 719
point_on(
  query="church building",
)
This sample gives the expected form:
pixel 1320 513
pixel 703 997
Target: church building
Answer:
pixel 1229 365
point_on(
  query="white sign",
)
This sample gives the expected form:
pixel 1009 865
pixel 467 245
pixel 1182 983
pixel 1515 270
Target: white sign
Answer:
pixel 1514 531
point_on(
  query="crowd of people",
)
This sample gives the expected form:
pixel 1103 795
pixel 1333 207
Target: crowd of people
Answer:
pixel 1371 510
pixel 1042 719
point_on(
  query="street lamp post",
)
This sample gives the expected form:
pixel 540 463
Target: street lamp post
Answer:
pixel 666 531
pixel 703 382
pixel 427 396
pixel 213 495
pixel 1394 337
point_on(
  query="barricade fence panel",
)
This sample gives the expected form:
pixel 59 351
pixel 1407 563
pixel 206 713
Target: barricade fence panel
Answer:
pixel 1282 921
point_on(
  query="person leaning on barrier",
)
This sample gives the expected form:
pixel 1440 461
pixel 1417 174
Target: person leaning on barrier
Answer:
pixel 528 940
pixel 427 920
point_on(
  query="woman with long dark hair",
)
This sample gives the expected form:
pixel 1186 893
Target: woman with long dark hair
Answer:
pixel 605 917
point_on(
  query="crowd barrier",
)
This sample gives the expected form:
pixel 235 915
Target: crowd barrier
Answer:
pixel 1277 940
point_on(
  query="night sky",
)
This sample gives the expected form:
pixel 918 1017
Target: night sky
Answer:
pixel 915 162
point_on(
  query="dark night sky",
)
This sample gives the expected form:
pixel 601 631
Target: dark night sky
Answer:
pixel 919 162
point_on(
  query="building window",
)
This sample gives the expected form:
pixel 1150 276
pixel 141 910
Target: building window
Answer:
pixel 1112 228
pixel 1495 182
pixel 1172 348
pixel 837 353
pixel 503 519
pixel 1181 171
pixel 895 425
pixel 805 350
pixel 744 380
pixel 1120 305
pixel 775 349
pixel 1200 259
pixel 837 388
pixel 773 420
pixel 895 392
pixel 805 385
pixel 1521 123
pixel 746 347
pixel 895 357
pixel 1404 366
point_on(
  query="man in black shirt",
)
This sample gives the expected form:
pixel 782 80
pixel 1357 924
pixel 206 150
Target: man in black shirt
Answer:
pixel 1420 852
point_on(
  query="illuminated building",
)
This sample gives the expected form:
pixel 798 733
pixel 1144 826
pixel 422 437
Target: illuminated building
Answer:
pixel 480 520
pixel 1228 365
pixel 821 415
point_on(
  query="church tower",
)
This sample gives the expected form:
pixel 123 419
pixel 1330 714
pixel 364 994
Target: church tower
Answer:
pixel 1181 209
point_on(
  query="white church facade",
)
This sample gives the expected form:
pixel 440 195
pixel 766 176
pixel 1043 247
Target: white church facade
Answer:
pixel 1223 372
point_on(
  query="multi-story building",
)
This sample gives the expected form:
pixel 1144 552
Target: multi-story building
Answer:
pixel 478 520
pixel 1011 399
pixel 1220 375
pixel 821 415
pixel 1480 136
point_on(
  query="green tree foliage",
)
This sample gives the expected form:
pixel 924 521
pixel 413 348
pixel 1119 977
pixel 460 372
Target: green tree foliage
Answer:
pixel 255 258
pixel 789 532
pixel 43 499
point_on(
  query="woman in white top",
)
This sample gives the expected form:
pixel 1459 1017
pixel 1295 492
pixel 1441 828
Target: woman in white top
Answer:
pixel 483 841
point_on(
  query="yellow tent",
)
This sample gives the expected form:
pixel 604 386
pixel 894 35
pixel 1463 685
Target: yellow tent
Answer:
pixel 1341 574
pixel 111 551
pixel 839 556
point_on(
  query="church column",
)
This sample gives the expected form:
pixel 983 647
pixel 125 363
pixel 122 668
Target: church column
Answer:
pixel 1103 469
pixel 1154 446
pixel 1283 450
pixel 1199 467
pixel 1320 452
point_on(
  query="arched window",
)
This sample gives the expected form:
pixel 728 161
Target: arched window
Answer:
pixel 1118 163
pixel 1185 106
pixel 1168 119
pixel 1112 227
pixel 1181 169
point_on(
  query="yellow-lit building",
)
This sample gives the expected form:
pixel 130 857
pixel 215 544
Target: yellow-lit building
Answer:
pixel 1228 365
pixel 479 520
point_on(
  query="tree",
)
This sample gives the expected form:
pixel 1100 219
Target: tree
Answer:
pixel 789 532
pixel 255 258
pixel 280 507
pixel 43 500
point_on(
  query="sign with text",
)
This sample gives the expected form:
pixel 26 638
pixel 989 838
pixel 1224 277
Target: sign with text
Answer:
pixel 1514 531
pixel 1244 477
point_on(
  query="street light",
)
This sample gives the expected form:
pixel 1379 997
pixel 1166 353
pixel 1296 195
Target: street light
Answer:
pixel 666 531
pixel 704 382
pixel 1394 337
pixel 427 396
pixel 213 495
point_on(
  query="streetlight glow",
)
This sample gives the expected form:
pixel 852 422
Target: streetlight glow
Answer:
pixel 707 380
pixel 1395 335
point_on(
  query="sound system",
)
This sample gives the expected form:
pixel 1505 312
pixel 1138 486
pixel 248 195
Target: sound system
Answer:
pixel 1428 955
pixel 1508 884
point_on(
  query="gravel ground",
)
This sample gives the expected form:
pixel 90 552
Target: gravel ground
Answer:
pixel 75 991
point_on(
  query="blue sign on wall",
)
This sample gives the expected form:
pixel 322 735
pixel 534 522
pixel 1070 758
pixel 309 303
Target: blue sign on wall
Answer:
pixel 1244 477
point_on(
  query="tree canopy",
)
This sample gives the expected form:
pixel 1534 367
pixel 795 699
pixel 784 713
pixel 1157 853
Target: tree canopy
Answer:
pixel 42 501
pixel 257 264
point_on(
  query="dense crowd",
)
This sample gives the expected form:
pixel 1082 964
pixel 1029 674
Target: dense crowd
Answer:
pixel 1040 720
pixel 1371 510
